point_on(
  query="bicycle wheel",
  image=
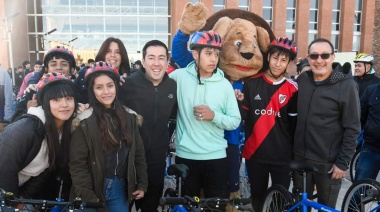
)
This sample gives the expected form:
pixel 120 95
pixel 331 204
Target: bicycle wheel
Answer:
pixel 356 192
pixel 277 198
pixel 353 163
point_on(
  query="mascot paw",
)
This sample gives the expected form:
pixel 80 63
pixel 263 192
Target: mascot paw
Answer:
pixel 193 18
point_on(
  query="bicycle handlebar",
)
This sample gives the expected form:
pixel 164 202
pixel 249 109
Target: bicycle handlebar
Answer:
pixel 195 200
pixel 8 199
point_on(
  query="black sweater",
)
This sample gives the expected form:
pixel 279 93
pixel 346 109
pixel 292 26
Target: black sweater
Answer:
pixel 156 104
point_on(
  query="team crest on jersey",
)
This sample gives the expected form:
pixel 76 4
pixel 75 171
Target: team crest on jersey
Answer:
pixel 281 98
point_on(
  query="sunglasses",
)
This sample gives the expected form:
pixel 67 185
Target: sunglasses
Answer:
pixel 324 56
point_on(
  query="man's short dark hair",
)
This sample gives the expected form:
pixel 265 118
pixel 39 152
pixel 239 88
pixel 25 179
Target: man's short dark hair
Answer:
pixel 155 43
pixel 26 62
pixel 90 61
pixel 321 40
pixel 38 62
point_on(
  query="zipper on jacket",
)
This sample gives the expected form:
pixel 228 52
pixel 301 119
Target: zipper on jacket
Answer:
pixel 117 157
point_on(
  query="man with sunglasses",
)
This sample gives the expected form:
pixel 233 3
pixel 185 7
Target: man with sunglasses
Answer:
pixel 328 122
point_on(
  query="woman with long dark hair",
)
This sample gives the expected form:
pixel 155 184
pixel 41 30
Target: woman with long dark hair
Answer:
pixel 107 156
pixel 34 151
pixel 114 53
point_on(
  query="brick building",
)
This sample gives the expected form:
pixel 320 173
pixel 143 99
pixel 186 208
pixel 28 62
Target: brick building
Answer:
pixel 82 25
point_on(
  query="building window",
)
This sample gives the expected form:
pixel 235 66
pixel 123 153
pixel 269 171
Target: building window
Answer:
pixel 193 1
pixel 335 24
pixel 290 19
pixel 244 5
pixel 313 20
pixel 357 23
pixel 267 11
pixel 219 5
pixel 135 22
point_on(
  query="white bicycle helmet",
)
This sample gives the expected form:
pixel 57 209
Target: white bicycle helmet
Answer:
pixel 364 58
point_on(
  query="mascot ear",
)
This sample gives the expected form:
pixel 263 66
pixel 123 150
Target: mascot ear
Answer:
pixel 222 26
pixel 263 39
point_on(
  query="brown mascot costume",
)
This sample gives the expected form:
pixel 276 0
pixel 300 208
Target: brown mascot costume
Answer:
pixel 245 37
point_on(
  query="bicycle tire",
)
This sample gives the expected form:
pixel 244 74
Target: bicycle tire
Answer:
pixel 351 201
pixel 277 198
pixel 353 163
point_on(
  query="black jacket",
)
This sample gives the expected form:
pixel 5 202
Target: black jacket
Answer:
pixel 365 81
pixel 87 159
pixel 328 121
pixel 156 104
pixel 19 144
pixel 370 116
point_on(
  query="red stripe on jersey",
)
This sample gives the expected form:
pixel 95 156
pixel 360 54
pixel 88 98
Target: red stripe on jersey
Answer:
pixel 265 123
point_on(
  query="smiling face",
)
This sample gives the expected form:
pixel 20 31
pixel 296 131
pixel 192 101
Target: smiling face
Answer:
pixel 62 109
pixel 105 90
pixel 113 56
pixel 321 68
pixel 241 55
pixel 277 63
pixel 155 63
pixel 361 68
pixel 59 65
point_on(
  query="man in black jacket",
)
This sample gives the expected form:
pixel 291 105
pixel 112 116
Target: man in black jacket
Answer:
pixel 328 122
pixel 152 94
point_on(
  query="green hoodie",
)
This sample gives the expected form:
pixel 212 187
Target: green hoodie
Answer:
pixel 203 140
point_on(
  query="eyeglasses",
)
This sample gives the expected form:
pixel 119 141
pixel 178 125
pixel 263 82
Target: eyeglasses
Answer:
pixel 324 56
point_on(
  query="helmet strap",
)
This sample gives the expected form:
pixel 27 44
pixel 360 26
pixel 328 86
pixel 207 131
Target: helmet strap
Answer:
pixel 197 66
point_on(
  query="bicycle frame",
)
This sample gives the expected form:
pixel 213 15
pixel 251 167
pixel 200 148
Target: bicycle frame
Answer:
pixel 305 203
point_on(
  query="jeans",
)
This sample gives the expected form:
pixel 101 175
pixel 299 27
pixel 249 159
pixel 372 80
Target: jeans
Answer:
pixel 368 164
pixel 116 196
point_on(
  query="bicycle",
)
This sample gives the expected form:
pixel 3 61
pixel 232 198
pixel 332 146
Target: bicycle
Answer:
pixel 8 202
pixel 169 180
pixel 195 204
pixel 280 199
pixel 363 195
pixel 354 160
pixel 174 202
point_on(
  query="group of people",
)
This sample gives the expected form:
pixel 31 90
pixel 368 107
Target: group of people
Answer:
pixel 113 150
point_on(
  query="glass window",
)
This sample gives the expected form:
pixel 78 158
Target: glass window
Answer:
pixel 267 11
pixel 134 21
pixel 335 41
pixel 356 43
pixel 290 15
pixel 267 3
pixel 219 5
pixel 358 15
pixel 244 5
pixel 313 3
pixel 335 24
pixel 313 18
pixel 312 36
pixel 193 1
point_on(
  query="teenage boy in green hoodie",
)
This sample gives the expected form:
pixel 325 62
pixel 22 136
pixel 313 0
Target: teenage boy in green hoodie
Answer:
pixel 207 106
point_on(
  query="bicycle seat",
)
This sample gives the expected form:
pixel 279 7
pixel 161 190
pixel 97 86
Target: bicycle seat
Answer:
pixel 179 170
pixel 302 166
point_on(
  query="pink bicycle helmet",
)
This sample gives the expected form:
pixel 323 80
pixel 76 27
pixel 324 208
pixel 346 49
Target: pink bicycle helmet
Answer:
pixel 287 44
pixel 50 79
pixel 206 39
pixel 59 50
pixel 101 67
